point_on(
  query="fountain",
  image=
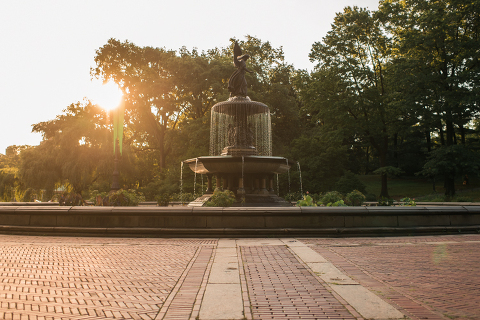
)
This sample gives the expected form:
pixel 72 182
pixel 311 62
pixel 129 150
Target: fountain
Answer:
pixel 241 145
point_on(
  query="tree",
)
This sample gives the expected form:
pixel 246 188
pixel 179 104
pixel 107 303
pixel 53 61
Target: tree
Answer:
pixel 11 187
pixel 436 50
pixel 76 150
pixel 162 88
pixel 349 91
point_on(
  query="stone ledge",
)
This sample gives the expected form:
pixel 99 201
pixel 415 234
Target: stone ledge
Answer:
pixel 234 232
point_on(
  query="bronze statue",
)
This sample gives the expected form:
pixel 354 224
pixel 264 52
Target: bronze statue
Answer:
pixel 237 85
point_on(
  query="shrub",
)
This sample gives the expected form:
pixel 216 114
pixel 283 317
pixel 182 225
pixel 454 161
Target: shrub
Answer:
pixel 293 196
pixel 71 199
pixel 407 202
pixel 349 182
pixel 384 202
pixel 183 197
pixel 163 200
pixel 307 201
pixel 355 198
pixel 221 199
pixel 331 197
pixel 125 198
pixel 338 203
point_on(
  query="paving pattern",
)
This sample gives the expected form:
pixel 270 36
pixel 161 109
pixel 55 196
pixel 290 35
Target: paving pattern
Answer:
pixel 433 277
pixel 425 277
pixel 89 278
pixel 280 287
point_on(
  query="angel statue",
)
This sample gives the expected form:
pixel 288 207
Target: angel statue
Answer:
pixel 237 85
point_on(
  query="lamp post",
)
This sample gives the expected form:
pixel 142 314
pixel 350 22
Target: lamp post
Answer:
pixel 118 114
pixel 115 174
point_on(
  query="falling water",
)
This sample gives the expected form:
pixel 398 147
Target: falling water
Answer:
pixel 278 188
pixel 288 172
pixel 300 173
pixel 195 178
pixel 243 163
pixel 251 122
pixel 181 182
pixel 203 187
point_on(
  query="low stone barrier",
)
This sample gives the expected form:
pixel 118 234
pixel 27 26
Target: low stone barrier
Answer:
pixel 251 221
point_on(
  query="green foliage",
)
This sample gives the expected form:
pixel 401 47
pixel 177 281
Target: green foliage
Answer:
pixel 389 171
pixel 331 197
pixel 385 202
pixel 70 199
pixel 221 199
pixel 323 159
pixel 349 182
pixel 293 196
pixel 163 200
pixel 307 201
pixel 407 202
pixel 125 198
pixel 184 197
pixel 355 198
pixel 452 161
pixel 339 203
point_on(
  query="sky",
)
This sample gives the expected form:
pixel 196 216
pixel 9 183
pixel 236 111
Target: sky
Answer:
pixel 47 47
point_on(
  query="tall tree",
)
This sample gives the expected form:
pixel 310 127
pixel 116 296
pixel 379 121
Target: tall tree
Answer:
pixel 437 50
pixel 348 92
pixel 76 150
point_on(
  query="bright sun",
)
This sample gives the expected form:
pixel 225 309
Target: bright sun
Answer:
pixel 108 95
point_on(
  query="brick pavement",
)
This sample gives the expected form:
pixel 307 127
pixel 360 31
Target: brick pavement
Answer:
pixel 433 277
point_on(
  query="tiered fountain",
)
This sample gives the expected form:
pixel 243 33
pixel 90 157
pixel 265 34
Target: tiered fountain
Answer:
pixel 241 145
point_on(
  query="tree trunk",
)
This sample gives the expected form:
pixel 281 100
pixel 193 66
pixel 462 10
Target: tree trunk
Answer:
pixel 450 177
pixel 429 140
pixel 383 163
pixel 442 138
pixel 395 150
pixel 462 134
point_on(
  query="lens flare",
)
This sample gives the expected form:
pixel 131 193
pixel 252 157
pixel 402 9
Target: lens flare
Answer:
pixel 108 96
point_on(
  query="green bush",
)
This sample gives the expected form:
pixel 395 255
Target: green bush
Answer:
pixel 338 203
pixel 355 198
pixel 70 199
pixel 407 202
pixel 307 201
pixel 221 199
pixel 293 196
pixel 184 197
pixel 163 200
pixel 331 197
pixel 462 199
pixel 385 202
pixel 125 198
pixel 349 182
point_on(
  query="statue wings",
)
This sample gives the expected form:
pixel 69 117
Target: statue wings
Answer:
pixel 237 52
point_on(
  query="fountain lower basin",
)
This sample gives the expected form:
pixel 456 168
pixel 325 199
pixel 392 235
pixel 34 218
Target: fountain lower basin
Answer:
pixel 238 164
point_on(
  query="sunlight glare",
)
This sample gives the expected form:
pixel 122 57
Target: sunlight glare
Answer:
pixel 108 96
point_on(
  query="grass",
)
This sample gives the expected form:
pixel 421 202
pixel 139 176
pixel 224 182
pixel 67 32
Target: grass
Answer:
pixel 422 189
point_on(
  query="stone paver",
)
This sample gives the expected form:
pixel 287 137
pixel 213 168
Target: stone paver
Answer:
pixel 434 277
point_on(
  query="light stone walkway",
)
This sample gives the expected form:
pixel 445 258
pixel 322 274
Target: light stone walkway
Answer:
pixel 275 278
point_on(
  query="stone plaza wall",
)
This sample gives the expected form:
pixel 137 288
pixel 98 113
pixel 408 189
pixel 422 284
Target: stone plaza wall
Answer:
pixel 251 221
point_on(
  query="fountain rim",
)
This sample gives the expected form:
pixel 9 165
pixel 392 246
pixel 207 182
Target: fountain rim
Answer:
pixel 281 164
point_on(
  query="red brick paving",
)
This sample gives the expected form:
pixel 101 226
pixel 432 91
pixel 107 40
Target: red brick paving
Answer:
pixel 90 278
pixel 425 277
pixel 280 287
pixel 116 278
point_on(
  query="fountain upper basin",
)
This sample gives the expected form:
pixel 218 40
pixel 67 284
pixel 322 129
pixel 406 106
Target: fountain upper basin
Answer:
pixel 233 164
